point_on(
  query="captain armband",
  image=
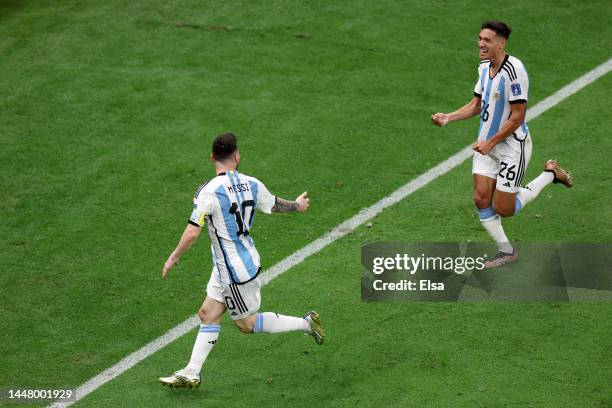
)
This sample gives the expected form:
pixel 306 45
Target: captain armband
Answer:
pixel 197 218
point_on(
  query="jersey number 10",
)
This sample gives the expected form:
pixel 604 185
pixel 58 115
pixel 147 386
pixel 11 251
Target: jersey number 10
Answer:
pixel 241 216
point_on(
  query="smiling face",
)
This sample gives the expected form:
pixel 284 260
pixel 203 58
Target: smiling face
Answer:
pixel 490 43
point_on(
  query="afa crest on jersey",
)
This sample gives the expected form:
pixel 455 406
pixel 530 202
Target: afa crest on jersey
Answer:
pixel 516 89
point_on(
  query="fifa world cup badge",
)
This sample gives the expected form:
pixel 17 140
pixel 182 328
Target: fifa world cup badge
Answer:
pixel 496 94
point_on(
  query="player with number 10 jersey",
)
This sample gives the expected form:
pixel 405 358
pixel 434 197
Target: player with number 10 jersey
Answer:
pixel 228 202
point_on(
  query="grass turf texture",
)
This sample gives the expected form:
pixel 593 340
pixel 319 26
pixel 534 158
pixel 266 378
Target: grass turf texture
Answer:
pixel 107 118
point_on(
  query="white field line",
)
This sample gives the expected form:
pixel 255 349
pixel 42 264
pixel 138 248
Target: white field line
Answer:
pixel 338 232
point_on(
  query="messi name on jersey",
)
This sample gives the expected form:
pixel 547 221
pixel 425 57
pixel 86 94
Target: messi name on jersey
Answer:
pixel 238 188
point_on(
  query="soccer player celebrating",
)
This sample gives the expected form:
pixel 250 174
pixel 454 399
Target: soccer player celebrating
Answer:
pixel 503 148
pixel 228 203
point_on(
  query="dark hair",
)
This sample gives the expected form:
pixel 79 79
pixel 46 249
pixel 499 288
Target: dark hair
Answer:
pixel 499 27
pixel 224 146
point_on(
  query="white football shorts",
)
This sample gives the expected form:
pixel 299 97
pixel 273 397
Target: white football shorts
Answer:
pixel 506 163
pixel 241 300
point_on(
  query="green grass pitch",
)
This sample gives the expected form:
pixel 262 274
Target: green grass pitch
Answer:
pixel 106 117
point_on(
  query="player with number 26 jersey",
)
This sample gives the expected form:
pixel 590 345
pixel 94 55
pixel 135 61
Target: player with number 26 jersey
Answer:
pixel 508 160
pixel 503 148
pixel 508 86
pixel 228 202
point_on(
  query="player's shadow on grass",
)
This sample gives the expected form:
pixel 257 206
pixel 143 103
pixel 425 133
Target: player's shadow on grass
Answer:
pixel 536 276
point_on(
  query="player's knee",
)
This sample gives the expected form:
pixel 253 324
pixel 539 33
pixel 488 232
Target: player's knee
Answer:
pixel 245 326
pixel 504 211
pixel 481 201
pixel 206 317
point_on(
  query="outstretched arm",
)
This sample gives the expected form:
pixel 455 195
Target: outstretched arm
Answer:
pixel 472 108
pixel 189 236
pixel 300 204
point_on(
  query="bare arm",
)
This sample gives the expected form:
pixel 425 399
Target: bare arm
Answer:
pixel 300 204
pixel 190 235
pixel 516 118
pixel 472 108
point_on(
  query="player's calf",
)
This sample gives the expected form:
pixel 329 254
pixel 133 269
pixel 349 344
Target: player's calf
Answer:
pixel 553 173
pixel 269 322
pixel 491 222
pixel 310 324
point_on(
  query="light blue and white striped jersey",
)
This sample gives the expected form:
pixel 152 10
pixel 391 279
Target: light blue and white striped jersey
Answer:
pixel 228 202
pixel 510 85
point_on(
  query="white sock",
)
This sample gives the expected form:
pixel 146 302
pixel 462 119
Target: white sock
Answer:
pixel 274 323
pixel 531 191
pixel 492 223
pixel 207 337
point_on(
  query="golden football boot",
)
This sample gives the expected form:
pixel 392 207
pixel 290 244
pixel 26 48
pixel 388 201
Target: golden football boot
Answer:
pixel 316 330
pixel 562 176
pixel 181 379
pixel 501 258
